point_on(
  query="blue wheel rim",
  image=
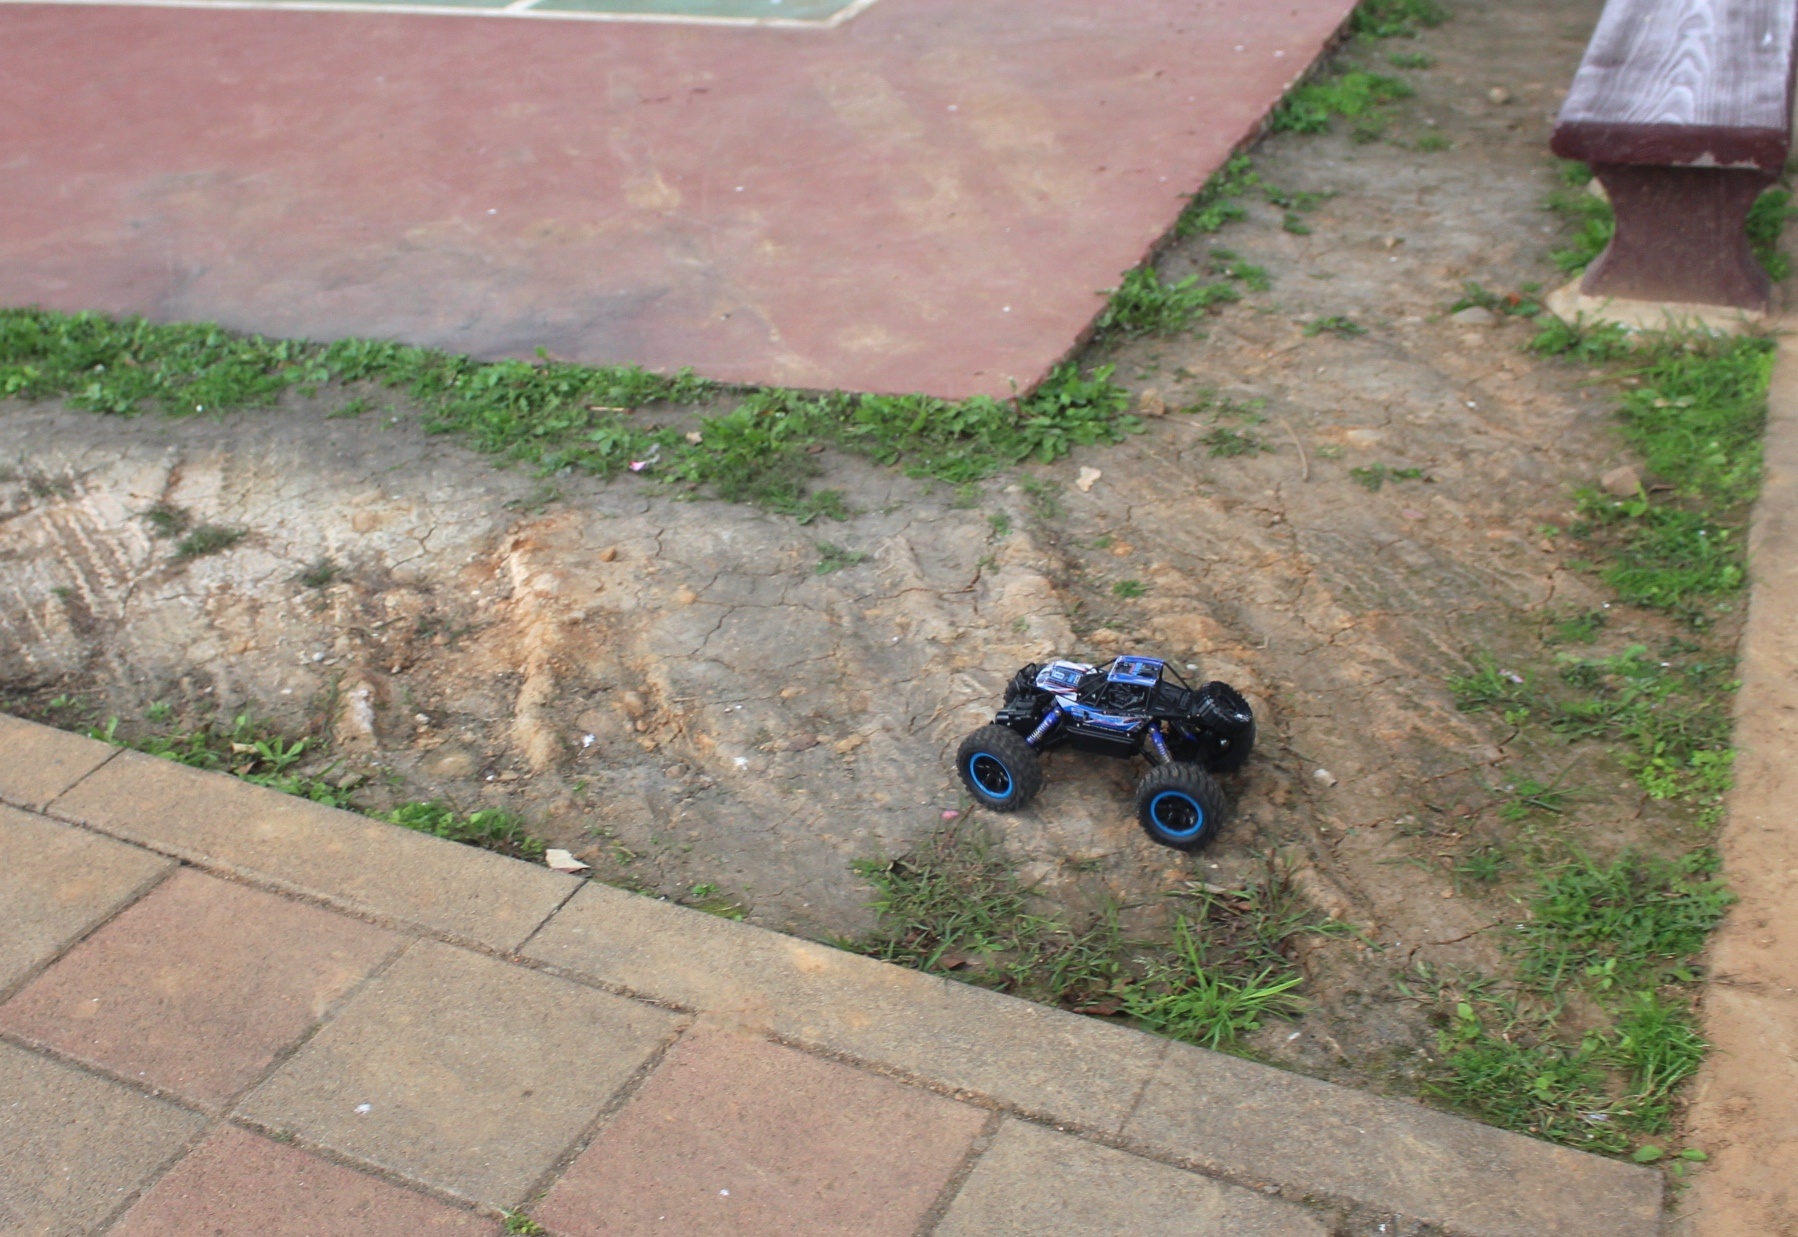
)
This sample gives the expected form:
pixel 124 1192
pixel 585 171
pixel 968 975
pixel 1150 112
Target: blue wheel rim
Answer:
pixel 991 776
pixel 1177 814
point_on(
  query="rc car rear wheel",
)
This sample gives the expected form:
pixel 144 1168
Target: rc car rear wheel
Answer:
pixel 1179 805
pixel 999 769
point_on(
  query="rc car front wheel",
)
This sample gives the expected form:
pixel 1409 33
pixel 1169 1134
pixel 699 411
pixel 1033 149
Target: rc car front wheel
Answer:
pixel 1179 805
pixel 999 769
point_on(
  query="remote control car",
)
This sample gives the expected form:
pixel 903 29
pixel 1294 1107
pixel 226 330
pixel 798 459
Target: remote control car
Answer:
pixel 1131 706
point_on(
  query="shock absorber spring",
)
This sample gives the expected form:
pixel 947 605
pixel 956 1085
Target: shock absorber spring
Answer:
pixel 1158 743
pixel 1050 719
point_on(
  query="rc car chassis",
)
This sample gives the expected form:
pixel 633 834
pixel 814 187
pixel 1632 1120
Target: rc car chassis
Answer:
pixel 1131 706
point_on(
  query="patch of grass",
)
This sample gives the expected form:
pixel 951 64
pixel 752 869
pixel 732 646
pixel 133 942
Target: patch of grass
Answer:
pixel 1224 441
pixel 1374 476
pixel 1626 933
pixel 487 828
pixel 1129 589
pixel 1335 324
pixel 556 415
pixel 1185 999
pixel 1668 717
pixel 1410 60
pixel 711 899
pixel 1000 522
pixel 833 558
pixel 1295 224
pixel 954 906
pixel 1637 920
pixel 1693 407
pixel 1146 305
pixel 207 539
pixel 1218 203
pixel 1045 497
pixel 1355 95
pixel 1431 141
pixel 167 520
pixel 1513 304
pixel 1579 628
pixel 244 747
pixel 319 574
pixel 517 1222
pixel 1395 19
pixel 1226 263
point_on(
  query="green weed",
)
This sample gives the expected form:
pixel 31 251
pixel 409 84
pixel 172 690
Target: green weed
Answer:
pixel 1336 324
pixel 487 828
pixel 833 558
pixel 1185 999
pixel 1000 522
pixel 318 575
pixel 1146 305
pixel 1129 589
pixel 1374 476
pixel 1431 141
pixel 1218 202
pixel 207 539
pixel 1224 441
pixel 711 899
pixel 246 748
pixel 1410 60
pixel 1395 19
pixel 1225 262
pixel 1639 919
pixel 1355 95
pixel 167 520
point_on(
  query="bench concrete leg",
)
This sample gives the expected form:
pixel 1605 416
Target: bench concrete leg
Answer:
pixel 1680 236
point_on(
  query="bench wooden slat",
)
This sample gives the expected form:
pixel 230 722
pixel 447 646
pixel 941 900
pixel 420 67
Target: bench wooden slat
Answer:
pixel 1692 83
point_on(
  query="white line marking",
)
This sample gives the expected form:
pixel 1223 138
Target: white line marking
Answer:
pixel 518 8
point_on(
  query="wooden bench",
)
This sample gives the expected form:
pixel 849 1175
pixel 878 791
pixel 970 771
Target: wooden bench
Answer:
pixel 1683 110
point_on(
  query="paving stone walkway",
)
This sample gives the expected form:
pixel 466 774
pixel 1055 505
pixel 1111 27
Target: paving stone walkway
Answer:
pixel 226 1011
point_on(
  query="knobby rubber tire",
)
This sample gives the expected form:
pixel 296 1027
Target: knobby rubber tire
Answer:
pixel 994 748
pixel 1180 805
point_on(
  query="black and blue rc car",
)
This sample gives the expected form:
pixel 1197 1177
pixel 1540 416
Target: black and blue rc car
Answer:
pixel 1131 706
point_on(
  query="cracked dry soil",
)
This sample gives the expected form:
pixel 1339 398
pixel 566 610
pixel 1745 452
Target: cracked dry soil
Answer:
pixel 671 690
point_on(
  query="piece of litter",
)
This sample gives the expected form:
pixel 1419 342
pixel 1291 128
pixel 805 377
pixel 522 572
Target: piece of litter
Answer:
pixel 723 1193
pixel 639 465
pixel 742 762
pixel 1084 482
pixel 695 437
pixel 563 861
pixel 364 1107
pixel 950 814
pixel 1293 1036
pixel 587 741
pixel 423 719
pixel 1324 776
pixel 1511 675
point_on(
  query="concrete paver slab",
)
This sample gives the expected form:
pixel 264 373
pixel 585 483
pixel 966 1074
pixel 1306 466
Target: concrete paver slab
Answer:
pixel 237 1183
pixel 40 762
pixel 466 1073
pixel 56 882
pixel 1042 1060
pixel 1256 1123
pixel 925 198
pixel 736 1134
pixel 1033 1182
pixel 74 1148
pixel 359 863
pixel 198 988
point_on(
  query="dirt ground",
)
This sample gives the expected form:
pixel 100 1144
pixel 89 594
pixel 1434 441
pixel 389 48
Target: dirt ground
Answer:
pixel 675 692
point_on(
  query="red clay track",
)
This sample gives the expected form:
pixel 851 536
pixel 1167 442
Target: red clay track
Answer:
pixel 925 198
